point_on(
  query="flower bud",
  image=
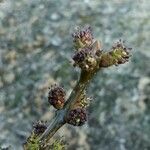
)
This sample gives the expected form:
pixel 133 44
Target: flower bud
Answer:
pixel 39 127
pixel 83 101
pixel 120 54
pixel 77 117
pixel 82 37
pixel 85 59
pixel 56 96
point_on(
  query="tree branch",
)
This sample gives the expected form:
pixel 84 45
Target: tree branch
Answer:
pixel 59 120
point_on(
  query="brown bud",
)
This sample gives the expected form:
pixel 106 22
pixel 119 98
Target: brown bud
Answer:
pixel 120 54
pixel 82 37
pixel 56 96
pixel 77 117
pixel 85 59
pixel 39 127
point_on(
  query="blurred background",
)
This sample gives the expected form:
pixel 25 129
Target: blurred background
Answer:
pixel 35 51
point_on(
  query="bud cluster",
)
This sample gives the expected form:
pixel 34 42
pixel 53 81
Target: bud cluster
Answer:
pixel 56 96
pixel 82 37
pixel 87 50
pixel 85 59
pixel 77 117
pixel 88 55
pixel 119 54
pixel 39 127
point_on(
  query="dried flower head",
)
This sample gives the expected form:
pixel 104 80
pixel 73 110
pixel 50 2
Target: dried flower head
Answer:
pixel 82 37
pixel 56 96
pixel 77 117
pixel 39 127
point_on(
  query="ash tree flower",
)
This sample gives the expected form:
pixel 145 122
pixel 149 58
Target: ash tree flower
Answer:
pixel 83 37
pixel 56 96
pixel 39 127
pixel 77 117
pixel 119 54
pixel 85 59
pixel 90 58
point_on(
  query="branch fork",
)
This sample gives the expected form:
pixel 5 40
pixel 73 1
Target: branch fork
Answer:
pixel 90 58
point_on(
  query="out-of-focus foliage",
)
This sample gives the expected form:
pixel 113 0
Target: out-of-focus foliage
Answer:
pixel 35 50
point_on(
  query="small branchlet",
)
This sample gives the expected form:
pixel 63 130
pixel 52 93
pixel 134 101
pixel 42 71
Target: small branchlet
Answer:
pixel 90 58
pixel 83 101
pixel 119 54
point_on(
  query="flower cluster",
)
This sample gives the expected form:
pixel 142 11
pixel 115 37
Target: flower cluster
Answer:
pixel 89 56
pixel 88 51
pixel 39 127
pixel 85 59
pixel 56 96
pixel 119 54
pixel 82 37
pixel 77 117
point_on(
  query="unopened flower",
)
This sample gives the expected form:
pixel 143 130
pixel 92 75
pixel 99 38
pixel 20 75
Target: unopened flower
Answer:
pixel 83 101
pixel 77 117
pixel 56 96
pixel 85 59
pixel 82 37
pixel 119 54
pixel 39 127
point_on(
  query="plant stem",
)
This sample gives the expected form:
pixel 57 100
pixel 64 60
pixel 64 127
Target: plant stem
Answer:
pixel 56 123
pixel 78 89
pixel 59 119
